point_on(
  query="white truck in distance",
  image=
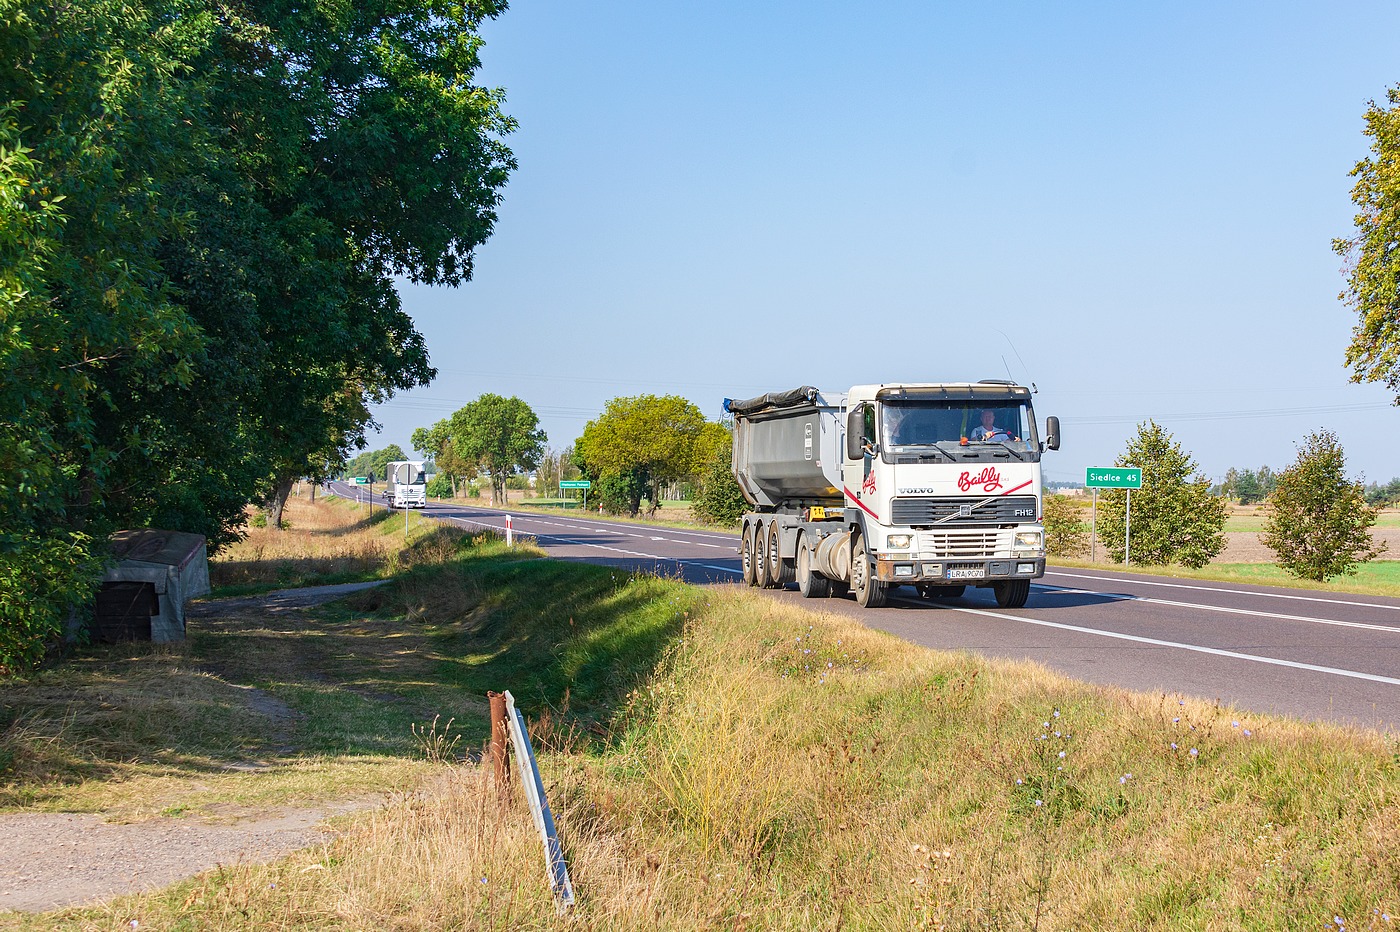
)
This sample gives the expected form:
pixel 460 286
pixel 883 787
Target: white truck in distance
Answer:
pixel 936 486
pixel 406 485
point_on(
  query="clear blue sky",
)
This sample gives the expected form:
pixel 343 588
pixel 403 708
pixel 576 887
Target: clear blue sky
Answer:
pixel 725 198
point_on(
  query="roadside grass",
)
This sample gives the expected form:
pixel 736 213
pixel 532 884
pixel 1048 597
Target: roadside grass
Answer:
pixel 717 759
pixel 330 541
pixel 1380 577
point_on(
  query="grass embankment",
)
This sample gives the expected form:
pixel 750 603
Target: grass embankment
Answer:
pixel 718 760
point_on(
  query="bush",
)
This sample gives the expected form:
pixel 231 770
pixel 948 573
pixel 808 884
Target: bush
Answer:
pixel 1066 534
pixel 718 499
pixel 1318 522
pixel 439 487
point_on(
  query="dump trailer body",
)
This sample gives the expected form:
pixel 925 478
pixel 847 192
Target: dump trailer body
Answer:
pixel 936 485
pixel 787 448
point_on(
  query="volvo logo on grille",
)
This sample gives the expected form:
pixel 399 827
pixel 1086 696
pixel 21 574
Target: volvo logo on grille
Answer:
pixel 964 511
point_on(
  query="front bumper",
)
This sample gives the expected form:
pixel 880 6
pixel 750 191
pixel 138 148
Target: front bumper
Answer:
pixel 955 571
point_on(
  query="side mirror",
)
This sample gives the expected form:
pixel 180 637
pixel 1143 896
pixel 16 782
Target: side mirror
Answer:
pixel 1052 433
pixel 853 438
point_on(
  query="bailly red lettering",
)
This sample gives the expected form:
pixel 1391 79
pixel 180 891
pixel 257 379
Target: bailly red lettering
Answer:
pixel 989 479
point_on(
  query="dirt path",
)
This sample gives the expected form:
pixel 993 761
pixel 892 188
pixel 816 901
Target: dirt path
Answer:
pixel 51 860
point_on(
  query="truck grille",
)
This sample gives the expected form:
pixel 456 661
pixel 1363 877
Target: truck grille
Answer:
pixel 920 512
pixel 966 542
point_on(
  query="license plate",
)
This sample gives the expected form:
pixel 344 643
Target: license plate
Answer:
pixel 962 572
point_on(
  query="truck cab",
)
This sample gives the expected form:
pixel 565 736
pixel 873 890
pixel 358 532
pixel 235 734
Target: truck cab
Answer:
pixel 945 483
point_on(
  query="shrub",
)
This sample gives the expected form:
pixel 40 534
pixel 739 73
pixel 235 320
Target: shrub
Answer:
pixel 1066 534
pixel 1318 522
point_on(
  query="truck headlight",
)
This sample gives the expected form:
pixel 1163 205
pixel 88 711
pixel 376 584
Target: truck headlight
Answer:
pixel 1030 540
pixel 897 541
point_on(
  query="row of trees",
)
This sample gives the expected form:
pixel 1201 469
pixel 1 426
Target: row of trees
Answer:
pixel 1317 519
pixel 632 451
pixel 203 208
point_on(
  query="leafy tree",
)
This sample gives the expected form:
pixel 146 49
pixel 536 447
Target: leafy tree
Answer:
pixel 1174 517
pixel 647 439
pixel 501 436
pixel 1373 280
pixel 202 212
pixel 718 499
pixel 436 442
pixel 1066 534
pixel 1318 521
pixel 375 462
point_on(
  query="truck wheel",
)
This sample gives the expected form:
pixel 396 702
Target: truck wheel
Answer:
pixel 870 592
pixel 811 584
pixel 1012 593
pixel 780 572
pixel 746 557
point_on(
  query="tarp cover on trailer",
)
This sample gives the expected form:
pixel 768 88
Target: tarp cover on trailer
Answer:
pixel 790 398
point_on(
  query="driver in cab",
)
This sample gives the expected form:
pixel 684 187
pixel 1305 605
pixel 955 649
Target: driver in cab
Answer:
pixel 988 431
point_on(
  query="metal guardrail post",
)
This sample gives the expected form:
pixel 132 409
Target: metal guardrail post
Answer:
pixel 556 869
pixel 500 769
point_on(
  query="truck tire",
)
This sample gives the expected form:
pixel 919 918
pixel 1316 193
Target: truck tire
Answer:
pixel 810 583
pixel 870 592
pixel 746 557
pixel 780 571
pixel 1012 593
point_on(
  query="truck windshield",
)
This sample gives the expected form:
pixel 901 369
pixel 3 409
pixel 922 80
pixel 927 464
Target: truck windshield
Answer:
pixel 918 423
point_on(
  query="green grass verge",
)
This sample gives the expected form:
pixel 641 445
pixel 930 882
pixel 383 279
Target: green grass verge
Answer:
pixel 1381 577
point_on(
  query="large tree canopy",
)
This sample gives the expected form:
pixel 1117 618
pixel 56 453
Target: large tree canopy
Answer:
pixel 500 435
pixel 1372 253
pixel 201 211
pixel 638 443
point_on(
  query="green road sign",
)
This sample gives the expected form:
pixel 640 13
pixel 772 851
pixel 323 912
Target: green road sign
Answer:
pixel 361 480
pixel 575 484
pixel 1113 477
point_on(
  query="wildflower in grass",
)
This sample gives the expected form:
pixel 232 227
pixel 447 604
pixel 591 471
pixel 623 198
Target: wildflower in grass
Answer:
pixel 1248 733
pixel 1019 782
pixel 1177 720
pixel 1056 713
pixel 1062 755
pixel 1058 735
pixel 1175 746
pixel 1040 802
pixel 1044 724
pixel 1194 752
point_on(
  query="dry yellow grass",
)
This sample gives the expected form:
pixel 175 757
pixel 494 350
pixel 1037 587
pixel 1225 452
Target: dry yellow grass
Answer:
pixel 326 540
pixel 786 770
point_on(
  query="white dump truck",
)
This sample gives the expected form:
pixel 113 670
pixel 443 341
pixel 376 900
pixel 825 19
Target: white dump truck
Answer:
pixel 935 486
pixel 405 484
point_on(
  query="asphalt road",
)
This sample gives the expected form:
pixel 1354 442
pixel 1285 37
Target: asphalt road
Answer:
pixel 1294 652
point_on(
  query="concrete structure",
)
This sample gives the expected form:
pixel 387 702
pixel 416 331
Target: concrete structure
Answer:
pixel 143 597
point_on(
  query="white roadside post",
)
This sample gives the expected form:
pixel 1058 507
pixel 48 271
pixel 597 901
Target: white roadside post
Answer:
pixel 510 538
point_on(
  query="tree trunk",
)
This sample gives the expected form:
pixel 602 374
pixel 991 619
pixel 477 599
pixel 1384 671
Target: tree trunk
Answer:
pixel 313 492
pixel 278 501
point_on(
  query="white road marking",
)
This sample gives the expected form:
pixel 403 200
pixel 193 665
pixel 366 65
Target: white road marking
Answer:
pixel 1197 648
pixel 1128 597
pixel 1267 595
